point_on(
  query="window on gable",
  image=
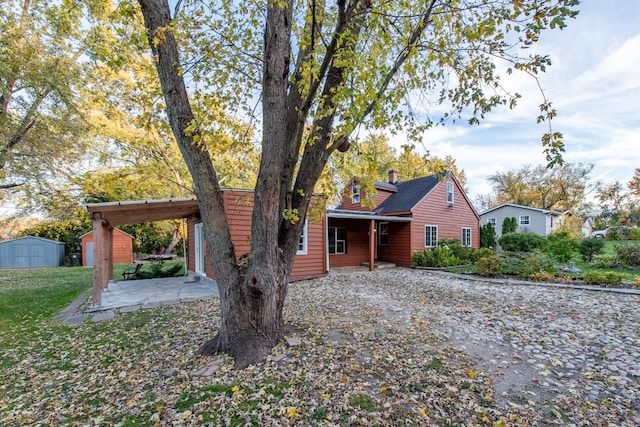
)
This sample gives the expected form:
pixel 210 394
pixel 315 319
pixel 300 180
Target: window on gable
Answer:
pixel 355 193
pixel 337 240
pixel 524 220
pixel 466 236
pixel 450 192
pixel 491 221
pixel 383 233
pixel 430 236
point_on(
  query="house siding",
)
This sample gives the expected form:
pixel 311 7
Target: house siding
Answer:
pixel 238 206
pixel 122 249
pixel 434 210
pixel 357 250
pixel 380 196
pixel 398 251
pixel 539 222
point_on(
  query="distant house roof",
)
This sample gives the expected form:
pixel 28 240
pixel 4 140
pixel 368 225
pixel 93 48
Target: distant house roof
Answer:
pixel 408 194
pixel 513 205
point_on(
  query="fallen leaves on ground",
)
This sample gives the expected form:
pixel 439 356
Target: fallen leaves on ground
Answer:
pixel 374 350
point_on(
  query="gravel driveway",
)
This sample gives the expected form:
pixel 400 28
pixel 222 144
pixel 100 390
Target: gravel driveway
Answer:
pixel 573 355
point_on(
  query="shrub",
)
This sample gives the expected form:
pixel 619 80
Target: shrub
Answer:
pixel 521 242
pixel 441 256
pixel 464 254
pixel 490 266
pixel 509 225
pixel 528 264
pixel 635 233
pixel 628 256
pixel 542 276
pixel 590 247
pixel 488 236
pixel 618 233
pixel 481 253
pixel 603 261
pixel 561 246
pixel 603 277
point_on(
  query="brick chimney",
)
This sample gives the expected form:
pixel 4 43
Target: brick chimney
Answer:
pixel 393 176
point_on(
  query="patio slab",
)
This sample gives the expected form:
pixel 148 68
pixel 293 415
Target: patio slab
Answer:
pixel 154 292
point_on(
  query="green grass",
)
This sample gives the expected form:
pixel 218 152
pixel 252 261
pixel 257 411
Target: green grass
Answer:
pixel 29 296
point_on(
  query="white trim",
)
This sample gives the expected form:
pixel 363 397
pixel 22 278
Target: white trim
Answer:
pixel 462 239
pixel 521 222
pixel 303 240
pixel 425 236
pixel 199 264
pixel 450 192
pixel 355 193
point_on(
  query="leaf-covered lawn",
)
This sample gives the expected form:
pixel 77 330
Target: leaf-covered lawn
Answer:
pixel 371 353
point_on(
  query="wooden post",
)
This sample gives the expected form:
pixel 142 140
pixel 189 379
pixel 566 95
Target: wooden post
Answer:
pixel 108 253
pixel 98 249
pixel 372 243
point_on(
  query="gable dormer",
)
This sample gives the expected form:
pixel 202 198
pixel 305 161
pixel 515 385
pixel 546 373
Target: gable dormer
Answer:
pixel 357 195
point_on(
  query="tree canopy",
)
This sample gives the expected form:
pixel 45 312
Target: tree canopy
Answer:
pixel 312 73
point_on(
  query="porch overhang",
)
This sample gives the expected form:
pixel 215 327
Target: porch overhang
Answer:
pixel 107 215
pixel 372 218
pixel 343 214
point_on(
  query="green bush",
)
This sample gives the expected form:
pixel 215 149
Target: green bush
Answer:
pixel 561 246
pixel 603 277
pixel 490 266
pixel 635 233
pixel 509 225
pixel 488 236
pixel 628 256
pixel 521 242
pixel 527 264
pixel 481 253
pixel 440 256
pixel 464 254
pixel 619 233
pixel 603 261
pixel 590 247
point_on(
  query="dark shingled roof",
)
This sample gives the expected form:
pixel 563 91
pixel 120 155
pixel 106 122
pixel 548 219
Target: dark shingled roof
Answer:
pixel 408 195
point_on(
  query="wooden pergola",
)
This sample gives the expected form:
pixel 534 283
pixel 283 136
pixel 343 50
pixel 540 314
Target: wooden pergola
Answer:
pixel 108 215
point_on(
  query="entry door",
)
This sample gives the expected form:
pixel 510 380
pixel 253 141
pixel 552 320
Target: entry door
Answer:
pixel 199 249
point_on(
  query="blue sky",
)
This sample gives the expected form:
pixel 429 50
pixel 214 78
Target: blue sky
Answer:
pixel 594 83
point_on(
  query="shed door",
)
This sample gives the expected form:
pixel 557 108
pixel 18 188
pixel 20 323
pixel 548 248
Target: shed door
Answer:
pixel 29 255
pixel 89 253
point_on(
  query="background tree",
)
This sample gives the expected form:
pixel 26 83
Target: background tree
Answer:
pixel 41 126
pixel 634 183
pixel 321 70
pixel 562 187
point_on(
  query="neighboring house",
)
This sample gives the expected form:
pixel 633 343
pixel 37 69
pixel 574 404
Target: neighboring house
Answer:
pixel 31 252
pixel 122 247
pixel 588 226
pixel 405 217
pixel 528 219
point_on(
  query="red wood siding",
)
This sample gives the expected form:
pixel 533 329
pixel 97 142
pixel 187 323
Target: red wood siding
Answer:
pixel 434 210
pixel 238 207
pixel 398 250
pixel 380 196
pixel 357 250
pixel 122 247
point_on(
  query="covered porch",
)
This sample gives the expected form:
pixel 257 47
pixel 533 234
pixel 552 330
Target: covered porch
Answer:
pixel 360 238
pixel 106 216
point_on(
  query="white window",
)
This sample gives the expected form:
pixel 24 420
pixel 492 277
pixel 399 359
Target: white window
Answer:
pixel 302 244
pixel 430 236
pixel 466 236
pixel 491 221
pixel 355 193
pixel 199 249
pixel 337 240
pixel 450 193
pixel 524 220
pixel 383 233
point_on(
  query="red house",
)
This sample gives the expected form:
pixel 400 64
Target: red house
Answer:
pixel 405 217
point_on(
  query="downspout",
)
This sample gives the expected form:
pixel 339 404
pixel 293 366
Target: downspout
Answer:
pixel 184 246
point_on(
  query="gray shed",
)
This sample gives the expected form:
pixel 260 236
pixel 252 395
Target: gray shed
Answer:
pixel 31 252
